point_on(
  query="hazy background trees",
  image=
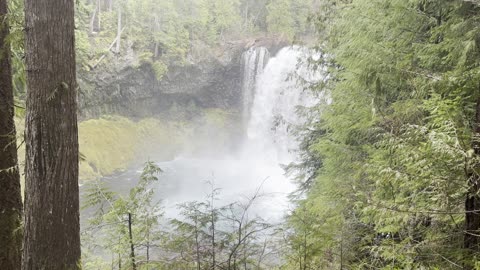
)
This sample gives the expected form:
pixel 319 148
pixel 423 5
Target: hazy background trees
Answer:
pixel 166 33
pixel 204 235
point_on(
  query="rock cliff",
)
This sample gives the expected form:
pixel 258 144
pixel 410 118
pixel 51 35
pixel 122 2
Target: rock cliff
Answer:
pixel 135 92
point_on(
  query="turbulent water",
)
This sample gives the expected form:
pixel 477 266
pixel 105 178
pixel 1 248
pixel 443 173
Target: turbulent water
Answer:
pixel 271 97
pixel 278 95
pixel 254 61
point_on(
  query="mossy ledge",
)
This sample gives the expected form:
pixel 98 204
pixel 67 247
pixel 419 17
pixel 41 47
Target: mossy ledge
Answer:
pixel 112 143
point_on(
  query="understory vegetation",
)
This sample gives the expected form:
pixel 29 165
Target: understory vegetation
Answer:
pixel 130 231
pixel 388 168
pixel 113 143
pixel 389 173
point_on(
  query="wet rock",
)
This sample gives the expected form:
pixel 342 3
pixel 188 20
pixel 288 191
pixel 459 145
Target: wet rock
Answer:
pixel 135 92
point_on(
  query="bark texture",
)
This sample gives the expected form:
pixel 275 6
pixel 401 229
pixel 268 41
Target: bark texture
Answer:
pixel 472 202
pixel 10 197
pixel 52 231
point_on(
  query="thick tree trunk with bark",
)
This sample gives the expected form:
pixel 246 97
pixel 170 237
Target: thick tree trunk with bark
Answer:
pixel 52 230
pixel 472 202
pixel 10 197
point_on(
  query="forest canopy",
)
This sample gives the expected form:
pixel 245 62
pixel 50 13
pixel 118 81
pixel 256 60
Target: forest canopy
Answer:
pixel 179 32
pixel 392 162
pixel 387 173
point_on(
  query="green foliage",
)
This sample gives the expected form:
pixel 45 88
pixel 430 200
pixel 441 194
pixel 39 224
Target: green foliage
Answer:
pixel 174 33
pixel 160 69
pixel 112 143
pixel 162 33
pixel 280 18
pixel 289 18
pixel 387 161
pixel 208 236
pixel 224 15
pixel 16 20
pixel 109 223
pixel 204 236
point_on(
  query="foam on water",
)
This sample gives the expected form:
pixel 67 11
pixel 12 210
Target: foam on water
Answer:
pixel 272 94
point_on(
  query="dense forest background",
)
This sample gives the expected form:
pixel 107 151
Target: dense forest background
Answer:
pixel 166 33
pixel 389 170
pixel 160 36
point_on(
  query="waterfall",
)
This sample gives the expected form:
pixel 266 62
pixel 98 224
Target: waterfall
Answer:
pixel 278 94
pixel 272 92
pixel 254 61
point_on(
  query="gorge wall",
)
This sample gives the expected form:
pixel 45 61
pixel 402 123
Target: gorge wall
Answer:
pixel 135 92
pixel 201 109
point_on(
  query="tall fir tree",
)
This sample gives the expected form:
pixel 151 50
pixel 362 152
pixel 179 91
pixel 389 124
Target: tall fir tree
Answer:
pixel 52 227
pixel 394 152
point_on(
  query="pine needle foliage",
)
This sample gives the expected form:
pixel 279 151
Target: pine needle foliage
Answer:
pixel 393 150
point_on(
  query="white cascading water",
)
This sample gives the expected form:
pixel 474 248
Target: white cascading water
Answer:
pixel 278 94
pixel 272 94
pixel 254 61
pixel 271 97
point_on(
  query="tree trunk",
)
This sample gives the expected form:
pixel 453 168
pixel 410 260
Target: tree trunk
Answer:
pixel 341 250
pixel 92 20
pixel 99 19
pixel 197 245
pixel 119 261
pixel 52 229
pixel 10 197
pixel 148 244
pixel 95 20
pixel 132 248
pixel 155 55
pixel 472 202
pixel 119 30
pixel 245 23
pixel 214 263
pixel 305 252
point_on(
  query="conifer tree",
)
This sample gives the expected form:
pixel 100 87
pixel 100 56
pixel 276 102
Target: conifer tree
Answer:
pixel 52 227
pixel 395 151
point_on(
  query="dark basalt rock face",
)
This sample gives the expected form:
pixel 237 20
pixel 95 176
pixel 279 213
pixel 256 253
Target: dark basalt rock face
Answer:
pixel 135 92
